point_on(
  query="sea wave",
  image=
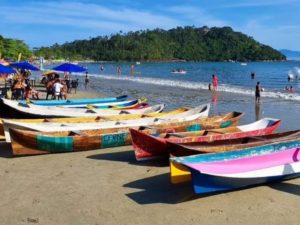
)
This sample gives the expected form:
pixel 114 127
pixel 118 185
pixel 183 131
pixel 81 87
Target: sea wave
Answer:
pixel 201 86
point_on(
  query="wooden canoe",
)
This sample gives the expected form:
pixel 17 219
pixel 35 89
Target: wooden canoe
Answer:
pixel 26 142
pixel 155 146
pixel 84 101
pixel 244 172
pixel 36 111
pixel 189 115
pixel 96 118
pixel 107 105
pixel 227 149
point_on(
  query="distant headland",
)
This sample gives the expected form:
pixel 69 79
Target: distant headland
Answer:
pixel 181 43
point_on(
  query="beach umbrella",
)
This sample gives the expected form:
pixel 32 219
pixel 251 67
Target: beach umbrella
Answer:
pixel 49 72
pixel 23 65
pixel 6 69
pixel 69 67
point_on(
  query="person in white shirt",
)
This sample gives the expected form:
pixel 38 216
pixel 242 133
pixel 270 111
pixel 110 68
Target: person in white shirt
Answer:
pixel 57 86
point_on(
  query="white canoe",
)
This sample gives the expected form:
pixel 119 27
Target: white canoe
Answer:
pixel 54 111
pixel 192 114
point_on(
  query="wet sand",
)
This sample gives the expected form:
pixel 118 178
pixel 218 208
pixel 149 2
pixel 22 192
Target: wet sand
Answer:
pixel 108 186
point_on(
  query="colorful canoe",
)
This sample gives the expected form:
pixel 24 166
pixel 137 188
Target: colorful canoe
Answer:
pixel 189 115
pixel 85 101
pixel 245 172
pixel 95 118
pixel 26 142
pixel 36 111
pixel 107 105
pixel 155 146
pixel 227 149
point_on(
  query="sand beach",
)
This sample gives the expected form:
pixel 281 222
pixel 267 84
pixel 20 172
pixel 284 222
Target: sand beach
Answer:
pixel 109 186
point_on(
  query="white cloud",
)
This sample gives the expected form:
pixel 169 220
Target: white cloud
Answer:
pixel 86 15
pixel 197 16
pixel 259 3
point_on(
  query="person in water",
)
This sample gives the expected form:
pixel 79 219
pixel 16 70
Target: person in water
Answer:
pixel 252 75
pixel 86 80
pixel 215 82
pixel 258 89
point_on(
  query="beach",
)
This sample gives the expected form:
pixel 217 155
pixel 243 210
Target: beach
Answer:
pixel 109 186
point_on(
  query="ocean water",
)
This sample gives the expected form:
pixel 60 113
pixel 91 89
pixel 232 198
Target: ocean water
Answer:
pixel 235 93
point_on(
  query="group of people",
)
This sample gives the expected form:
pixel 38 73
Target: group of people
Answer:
pixel 56 88
pixel 289 89
pixel 21 89
pixel 213 86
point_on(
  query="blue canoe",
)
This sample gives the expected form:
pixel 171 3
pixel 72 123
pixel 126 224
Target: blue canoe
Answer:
pixel 190 161
pixel 71 102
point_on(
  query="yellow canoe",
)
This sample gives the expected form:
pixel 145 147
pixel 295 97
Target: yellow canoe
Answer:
pixel 95 119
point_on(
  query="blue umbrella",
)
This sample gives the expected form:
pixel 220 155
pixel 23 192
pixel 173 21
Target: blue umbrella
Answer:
pixel 23 65
pixel 6 70
pixel 69 67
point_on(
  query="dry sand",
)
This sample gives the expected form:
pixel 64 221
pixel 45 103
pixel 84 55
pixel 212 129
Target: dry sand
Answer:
pixel 108 187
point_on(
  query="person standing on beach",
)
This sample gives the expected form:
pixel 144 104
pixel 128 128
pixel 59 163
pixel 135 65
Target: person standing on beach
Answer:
pixel 86 80
pixel 215 82
pixel 258 89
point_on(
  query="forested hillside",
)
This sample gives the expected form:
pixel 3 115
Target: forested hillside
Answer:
pixel 183 43
pixel 10 49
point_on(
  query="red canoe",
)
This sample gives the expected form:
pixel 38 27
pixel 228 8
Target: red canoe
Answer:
pixel 155 146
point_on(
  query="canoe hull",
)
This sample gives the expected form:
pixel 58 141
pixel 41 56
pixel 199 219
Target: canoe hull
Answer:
pixel 245 172
pixel 24 142
pixel 36 144
pixel 203 183
pixel 150 147
pixel 74 102
pixel 14 110
pixel 180 173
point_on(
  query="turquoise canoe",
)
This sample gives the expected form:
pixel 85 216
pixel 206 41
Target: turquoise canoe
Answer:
pixel 71 102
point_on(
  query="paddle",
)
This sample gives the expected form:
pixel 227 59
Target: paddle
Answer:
pixel 175 135
pixel 213 131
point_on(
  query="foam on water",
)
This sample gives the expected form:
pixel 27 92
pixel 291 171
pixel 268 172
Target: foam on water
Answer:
pixel 201 85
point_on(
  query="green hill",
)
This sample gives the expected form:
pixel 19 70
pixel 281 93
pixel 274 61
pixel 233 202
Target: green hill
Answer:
pixel 10 48
pixel 182 43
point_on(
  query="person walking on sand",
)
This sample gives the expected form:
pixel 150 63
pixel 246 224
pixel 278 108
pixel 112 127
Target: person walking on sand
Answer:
pixel 215 82
pixel 258 89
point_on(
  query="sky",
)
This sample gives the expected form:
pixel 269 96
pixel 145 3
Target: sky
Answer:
pixel 44 23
